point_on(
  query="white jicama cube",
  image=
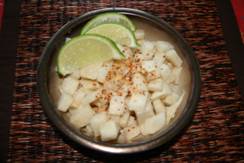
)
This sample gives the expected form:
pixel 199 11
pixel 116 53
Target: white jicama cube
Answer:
pixel 103 71
pixel 131 132
pixel 148 65
pixel 171 110
pixel 137 102
pixel 159 59
pixel 89 84
pixel 88 130
pixel 78 97
pixel 81 116
pixel 90 96
pixel 171 99
pixel 156 85
pixel 139 34
pixel 131 121
pixel 115 118
pixel 163 46
pixel 70 85
pixel 153 124
pixel 160 94
pixel 165 72
pixel 116 105
pixel 158 106
pixel 147 49
pixel 142 116
pixel 122 138
pixel 124 119
pixel 109 131
pixel 139 82
pixel 153 75
pixel 90 71
pixel 64 102
pixel 173 57
pixel 97 121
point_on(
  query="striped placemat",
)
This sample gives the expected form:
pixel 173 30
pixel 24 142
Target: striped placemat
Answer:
pixel 213 135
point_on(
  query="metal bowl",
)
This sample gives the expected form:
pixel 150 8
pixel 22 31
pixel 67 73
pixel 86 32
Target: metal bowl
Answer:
pixel 46 70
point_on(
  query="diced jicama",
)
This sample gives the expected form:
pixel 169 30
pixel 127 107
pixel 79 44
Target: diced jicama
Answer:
pixel 165 72
pixel 142 116
pixel 131 121
pixel 115 118
pixel 153 124
pixel 77 97
pixel 158 106
pixel 173 57
pixel 70 85
pixel 160 94
pixel 158 59
pixel 103 71
pixel 109 131
pixel 64 102
pixel 88 130
pixel 137 102
pixel 117 105
pixel 148 65
pixel 153 75
pixel 90 96
pixel 171 99
pixel 171 110
pixel 122 138
pixel 147 49
pixel 90 71
pixel 139 82
pixel 163 46
pixel 81 116
pixel 155 85
pixel 131 132
pixel 84 96
pixel 124 119
pixel 139 34
pixel 97 121
pixel 100 104
pixel 89 84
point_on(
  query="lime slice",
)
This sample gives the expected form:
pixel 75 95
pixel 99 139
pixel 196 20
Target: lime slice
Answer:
pixel 115 32
pixel 111 17
pixel 84 50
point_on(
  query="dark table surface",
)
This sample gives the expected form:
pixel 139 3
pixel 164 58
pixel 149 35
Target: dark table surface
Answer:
pixel 216 131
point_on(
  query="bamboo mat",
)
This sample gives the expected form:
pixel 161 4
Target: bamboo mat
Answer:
pixel 213 135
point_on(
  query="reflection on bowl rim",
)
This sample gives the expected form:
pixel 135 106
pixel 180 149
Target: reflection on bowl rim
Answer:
pixel 155 140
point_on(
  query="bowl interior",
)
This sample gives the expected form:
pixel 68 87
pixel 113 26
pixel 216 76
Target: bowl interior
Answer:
pixel 154 31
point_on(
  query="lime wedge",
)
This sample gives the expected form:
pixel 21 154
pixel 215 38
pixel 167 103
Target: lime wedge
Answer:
pixel 84 50
pixel 110 17
pixel 115 32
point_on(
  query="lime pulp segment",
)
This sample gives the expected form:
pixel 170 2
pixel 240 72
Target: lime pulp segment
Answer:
pixel 84 50
pixel 115 32
pixel 111 17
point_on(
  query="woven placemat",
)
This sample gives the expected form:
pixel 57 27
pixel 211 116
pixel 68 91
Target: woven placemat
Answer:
pixel 213 135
